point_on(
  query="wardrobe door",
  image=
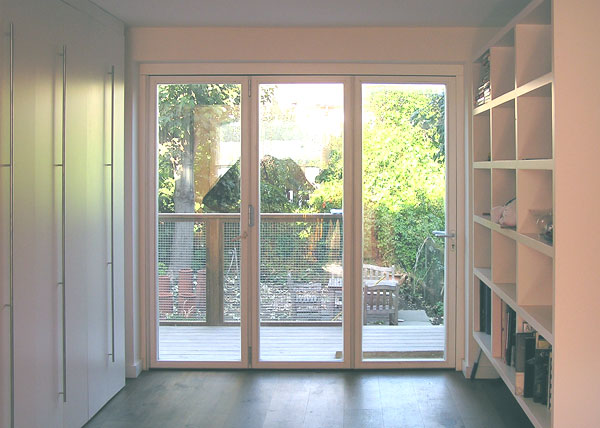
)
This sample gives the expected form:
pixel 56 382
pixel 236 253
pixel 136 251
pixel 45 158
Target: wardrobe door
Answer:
pixel 106 359
pixel 37 188
pixel 80 273
pixel 5 257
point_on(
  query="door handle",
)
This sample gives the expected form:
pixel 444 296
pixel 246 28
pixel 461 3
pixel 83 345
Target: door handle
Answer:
pixel 112 212
pixel 63 166
pixel 443 234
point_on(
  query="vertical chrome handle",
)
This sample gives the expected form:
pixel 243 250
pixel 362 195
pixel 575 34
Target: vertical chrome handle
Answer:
pixel 10 165
pixel 63 223
pixel 112 212
pixel 250 215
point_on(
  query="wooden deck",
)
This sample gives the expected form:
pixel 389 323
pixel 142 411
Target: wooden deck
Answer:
pixel 219 343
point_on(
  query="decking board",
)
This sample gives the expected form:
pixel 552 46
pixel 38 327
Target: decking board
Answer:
pixel 283 343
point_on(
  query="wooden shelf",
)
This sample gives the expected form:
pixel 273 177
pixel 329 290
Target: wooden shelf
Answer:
pixel 530 240
pixel 537 83
pixel 539 317
pixel 539 414
pixel 541 164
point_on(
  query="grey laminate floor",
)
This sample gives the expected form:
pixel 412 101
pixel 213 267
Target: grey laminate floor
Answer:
pixel 310 399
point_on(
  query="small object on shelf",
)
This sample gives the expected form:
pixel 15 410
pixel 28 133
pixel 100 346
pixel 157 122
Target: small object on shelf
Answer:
pixel 506 215
pixel 544 224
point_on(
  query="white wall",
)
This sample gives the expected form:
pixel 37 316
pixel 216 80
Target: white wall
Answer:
pixel 577 206
pixel 275 45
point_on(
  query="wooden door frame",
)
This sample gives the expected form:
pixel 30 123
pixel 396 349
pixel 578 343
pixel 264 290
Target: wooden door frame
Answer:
pixel 150 73
pixel 451 223
pixel 152 222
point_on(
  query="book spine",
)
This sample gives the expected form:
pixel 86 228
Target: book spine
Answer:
pixel 540 382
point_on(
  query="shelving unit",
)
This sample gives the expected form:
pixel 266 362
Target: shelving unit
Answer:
pixel 513 157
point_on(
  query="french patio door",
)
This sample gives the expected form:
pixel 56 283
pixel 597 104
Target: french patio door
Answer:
pixel 295 222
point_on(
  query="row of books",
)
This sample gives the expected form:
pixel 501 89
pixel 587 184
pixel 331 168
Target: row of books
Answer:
pixel 485 308
pixel 533 366
pixel 525 350
pixel 484 90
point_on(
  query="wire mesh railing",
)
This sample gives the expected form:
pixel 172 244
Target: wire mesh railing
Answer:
pixel 300 268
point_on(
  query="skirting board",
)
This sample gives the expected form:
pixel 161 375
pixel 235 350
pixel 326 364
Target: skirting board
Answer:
pixel 133 370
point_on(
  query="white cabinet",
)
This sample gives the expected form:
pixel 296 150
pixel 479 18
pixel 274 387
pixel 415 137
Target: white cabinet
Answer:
pixel 94 43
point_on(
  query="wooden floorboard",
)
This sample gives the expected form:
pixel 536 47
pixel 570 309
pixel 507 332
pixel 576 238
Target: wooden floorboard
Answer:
pixel 291 343
pixel 310 399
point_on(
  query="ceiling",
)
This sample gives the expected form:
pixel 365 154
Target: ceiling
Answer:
pixel 313 13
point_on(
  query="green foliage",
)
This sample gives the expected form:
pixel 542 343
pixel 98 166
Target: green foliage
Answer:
pixel 401 231
pixel 401 161
pixel 330 190
pixel 176 104
pixel 403 188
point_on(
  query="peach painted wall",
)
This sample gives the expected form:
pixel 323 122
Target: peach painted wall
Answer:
pixel 356 44
pixel 577 213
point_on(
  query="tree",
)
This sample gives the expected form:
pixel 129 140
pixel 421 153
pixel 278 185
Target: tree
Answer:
pixel 189 117
pixel 403 173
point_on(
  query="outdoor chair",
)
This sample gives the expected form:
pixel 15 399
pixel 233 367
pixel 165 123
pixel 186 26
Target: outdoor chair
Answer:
pixel 380 292
pixel 380 295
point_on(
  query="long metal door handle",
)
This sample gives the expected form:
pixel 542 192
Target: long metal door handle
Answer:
pixel 112 212
pixel 10 165
pixel 63 165
pixel 443 234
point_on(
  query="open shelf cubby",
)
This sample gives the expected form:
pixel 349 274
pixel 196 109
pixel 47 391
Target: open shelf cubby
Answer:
pixel 533 44
pixel 534 124
pixel 534 278
pixel 533 53
pixel 504 186
pixel 503 131
pixel 502 69
pixel 482 192
pixel 483 245
pixel 481 137
pixel 534 194
pixel 504 259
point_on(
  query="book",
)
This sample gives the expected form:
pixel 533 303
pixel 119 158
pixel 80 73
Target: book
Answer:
pixel 503 331
pixel 540 375
pixel 524 350
pixel 485 308
pixel 508 335
pixel 549 400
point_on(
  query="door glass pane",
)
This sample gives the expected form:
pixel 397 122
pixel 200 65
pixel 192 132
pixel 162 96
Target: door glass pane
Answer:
pixel 198 290
pixel 404 201
pixel 301 176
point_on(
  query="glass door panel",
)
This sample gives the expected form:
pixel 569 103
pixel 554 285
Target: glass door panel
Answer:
pixel 301 127
pixel 198 293
pixel 404 201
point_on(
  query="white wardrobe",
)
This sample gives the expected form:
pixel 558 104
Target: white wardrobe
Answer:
pixel 61 93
